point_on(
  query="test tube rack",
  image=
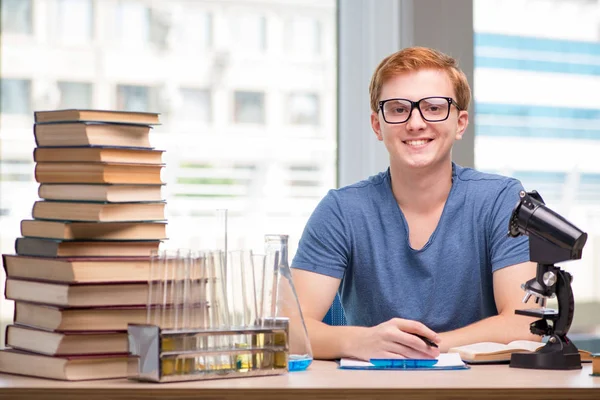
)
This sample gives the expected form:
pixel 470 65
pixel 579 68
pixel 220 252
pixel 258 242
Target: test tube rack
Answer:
pixel 160 355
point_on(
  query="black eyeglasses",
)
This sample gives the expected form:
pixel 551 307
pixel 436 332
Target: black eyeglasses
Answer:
pixel 432 109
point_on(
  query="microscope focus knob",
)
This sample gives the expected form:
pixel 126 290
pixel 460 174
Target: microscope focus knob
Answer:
pixel 549 278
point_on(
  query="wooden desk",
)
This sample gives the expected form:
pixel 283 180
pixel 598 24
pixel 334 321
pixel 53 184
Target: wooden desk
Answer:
pixel 323 380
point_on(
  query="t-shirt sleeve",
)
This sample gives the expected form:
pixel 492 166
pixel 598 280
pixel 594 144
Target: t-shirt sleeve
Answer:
pixel 324 247
pixel 506 250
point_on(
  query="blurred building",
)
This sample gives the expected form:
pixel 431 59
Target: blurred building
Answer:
pixel 537 109
pixel 245 88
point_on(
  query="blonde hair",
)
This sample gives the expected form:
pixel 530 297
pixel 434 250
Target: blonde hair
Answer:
pixel 414 59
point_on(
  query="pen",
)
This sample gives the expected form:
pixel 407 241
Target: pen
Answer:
pixel 427 341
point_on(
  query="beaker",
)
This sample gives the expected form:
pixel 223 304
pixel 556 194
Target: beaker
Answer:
pixel 281 301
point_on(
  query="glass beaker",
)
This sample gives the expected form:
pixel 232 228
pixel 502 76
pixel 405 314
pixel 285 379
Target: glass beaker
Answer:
pixel 281 301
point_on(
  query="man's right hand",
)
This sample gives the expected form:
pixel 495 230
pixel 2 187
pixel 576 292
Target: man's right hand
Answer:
pixel 394 339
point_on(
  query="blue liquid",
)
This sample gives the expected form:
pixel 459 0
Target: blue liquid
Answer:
pixel 298 362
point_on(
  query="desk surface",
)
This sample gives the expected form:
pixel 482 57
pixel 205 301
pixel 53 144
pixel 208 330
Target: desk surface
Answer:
pixel 324 380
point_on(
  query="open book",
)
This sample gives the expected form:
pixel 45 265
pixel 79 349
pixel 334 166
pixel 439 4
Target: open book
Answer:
pixel 485 352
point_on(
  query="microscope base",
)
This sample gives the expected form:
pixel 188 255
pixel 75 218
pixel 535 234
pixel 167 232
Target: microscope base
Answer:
pixel 553 360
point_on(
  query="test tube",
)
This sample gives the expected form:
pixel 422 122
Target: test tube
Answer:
pixel 154 288
pixel 258 273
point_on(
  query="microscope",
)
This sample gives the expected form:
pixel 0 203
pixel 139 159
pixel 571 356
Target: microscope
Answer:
pixel 552 239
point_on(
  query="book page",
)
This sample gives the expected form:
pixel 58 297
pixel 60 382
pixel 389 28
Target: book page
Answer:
pixel 481 348
pixel 525 345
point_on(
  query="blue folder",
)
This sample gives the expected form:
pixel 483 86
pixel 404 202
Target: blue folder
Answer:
pixel 446 362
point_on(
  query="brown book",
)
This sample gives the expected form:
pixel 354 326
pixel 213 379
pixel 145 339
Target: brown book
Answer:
pixel 56 343
pixel 487 352
pixel 68 230
pixel 596 364
pixel 81 319
pixel 132 117
pixel 96 192
pixel 91 134
pixel 59 172
pixel 59 248
pixel 78 270
pixel 97 154
pixel 77 295
pixel 98 212
pixel 67 368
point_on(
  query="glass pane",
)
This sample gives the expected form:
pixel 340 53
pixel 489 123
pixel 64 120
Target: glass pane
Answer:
pixel 249 32
pixel 249 107
pixel 195 105
pixel 75 21
pixel 305 35
pixel 133 98
pixel 75 95
pixel 195 29
pixel 16 96
pixel 16 16
pixel 537 111
pixel 133 22
pixel 303 109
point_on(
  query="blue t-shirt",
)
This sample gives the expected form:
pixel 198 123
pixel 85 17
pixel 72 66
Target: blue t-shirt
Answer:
pixel 359 234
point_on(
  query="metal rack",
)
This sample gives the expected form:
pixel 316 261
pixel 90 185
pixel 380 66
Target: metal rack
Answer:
pixel 159 355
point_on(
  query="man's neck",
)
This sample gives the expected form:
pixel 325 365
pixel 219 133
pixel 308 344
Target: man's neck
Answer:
pixel 421 190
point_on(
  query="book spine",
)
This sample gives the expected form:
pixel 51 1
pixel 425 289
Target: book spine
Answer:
pixel 35 174
pixel 35 131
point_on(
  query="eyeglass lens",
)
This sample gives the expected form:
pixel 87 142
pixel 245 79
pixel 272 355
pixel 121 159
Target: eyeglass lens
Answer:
pixel 432 109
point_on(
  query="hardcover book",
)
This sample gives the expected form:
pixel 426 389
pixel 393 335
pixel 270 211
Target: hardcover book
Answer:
pixel 71 230
pixel 77 295
pixel 77 269
pixel 91 134
pixel 110 193
pixel 98 212
pixel 68 368
pixel 132 117
pixel 62 344
pixel 59 248
pixel 82 172
pixel 98 154
pixel 487 352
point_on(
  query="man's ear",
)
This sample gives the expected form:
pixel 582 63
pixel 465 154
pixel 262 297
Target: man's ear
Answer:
pixel 376 125
pixel 461 124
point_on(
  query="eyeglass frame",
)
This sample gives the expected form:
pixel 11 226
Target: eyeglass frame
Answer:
pixel 416 104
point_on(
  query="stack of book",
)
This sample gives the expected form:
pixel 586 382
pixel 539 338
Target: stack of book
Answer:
pixel 81 267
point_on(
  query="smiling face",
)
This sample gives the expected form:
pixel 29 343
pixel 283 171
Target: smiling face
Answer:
pixel 417 143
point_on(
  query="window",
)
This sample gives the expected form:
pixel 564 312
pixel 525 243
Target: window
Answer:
pixel 133 22
pixel 537 110
pixel 249 33
pixel 195 105
pixel 303 109
pixel 17 16
pixel 195 29
pixel 305 35
pixel 249 108
pixel 133 98
pixel 75 95
pixel 75 21
pixel 160 25
pixel 15 96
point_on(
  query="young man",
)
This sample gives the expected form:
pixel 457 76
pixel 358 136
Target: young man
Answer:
pixel 422 248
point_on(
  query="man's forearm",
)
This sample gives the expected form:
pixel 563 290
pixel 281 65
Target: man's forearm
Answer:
pixel 331 342
pixel 499 328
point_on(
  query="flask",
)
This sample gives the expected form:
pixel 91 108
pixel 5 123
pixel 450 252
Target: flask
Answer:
pixel 281 301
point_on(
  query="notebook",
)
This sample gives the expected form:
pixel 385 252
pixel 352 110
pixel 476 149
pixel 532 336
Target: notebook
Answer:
pixel 446 361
